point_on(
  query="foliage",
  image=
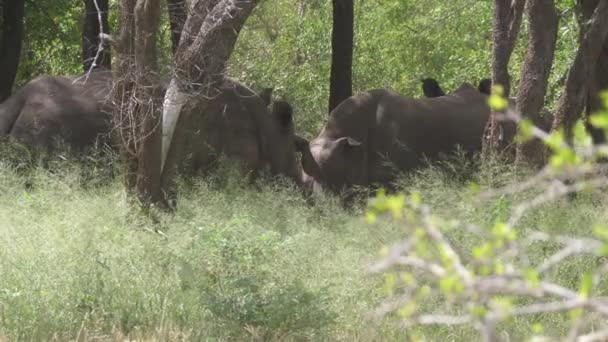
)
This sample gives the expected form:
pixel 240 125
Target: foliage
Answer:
pixel 396 43
pixel 52 39
pixel 431 280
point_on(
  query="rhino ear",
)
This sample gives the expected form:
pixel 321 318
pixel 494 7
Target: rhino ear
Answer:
pixel 309 164
pixel 485 86
pixel 266 95
pixel 282 113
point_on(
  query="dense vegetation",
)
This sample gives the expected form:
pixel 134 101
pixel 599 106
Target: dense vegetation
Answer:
pixel 286 44
pixel 77 261
pixel 232 263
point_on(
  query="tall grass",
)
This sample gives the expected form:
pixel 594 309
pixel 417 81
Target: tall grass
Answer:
pixel 233 262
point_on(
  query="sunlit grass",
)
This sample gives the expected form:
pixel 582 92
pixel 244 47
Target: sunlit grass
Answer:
pixel 233 262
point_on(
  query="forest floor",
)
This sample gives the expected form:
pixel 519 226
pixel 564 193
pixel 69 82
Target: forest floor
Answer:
pixel 234 262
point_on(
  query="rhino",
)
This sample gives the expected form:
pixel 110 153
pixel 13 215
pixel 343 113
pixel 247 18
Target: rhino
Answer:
pixel 239 125
pixel 52 108
pixel 76 110
pixel 544 121
pixel 372 136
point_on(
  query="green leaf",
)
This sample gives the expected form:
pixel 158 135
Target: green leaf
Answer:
pixel 599 120
pixel 526 130
pixel 604 97
pixel 482 252
pixel 537 328
pixel 555 141
pixel 586 285
pixel 497 103
pixel 532 277
pixel 581 136
pixel 600 232
pixel 408 310
pixel 390 281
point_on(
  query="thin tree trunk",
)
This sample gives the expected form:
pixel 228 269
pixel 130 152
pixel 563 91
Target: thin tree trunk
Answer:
pixel 506 23
pixel 90 35
pixel 571 103
pixel 137 95
pixel 177 18
pixel 147 83
pixel 543 23
pixel 121 91
pixel 341 52
pixel 207 41
pixel 11 30
pixel 598 80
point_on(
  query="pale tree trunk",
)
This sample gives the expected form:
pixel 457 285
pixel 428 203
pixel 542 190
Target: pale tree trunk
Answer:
pixel 599 78
pixel 137 97
pixel 177 18
pixel 11 38
pixel 92 57
pixel 506 23
pixel 207 41
pixel 571 103
pixel 543 23
pixel 341 52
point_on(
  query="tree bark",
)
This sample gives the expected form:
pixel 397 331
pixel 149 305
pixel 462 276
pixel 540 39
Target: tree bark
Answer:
pixel 207 41
pixel 506 23
pixel 341 52
pixel 177 18
pixel 598 80
pixel 92 27
pixel 10 44
pixel 543 23
pixel 137 94
pixel 571 103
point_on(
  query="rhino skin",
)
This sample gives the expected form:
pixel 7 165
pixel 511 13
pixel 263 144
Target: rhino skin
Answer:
pixel 240 126
pixel 52 108
pixel 76 110
pixel 371 136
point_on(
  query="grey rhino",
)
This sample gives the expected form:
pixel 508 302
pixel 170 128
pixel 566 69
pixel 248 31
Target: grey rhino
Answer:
pixel 47 108
pixel 75 109
pixel 239 125
pixel 544 121
pixel 375 127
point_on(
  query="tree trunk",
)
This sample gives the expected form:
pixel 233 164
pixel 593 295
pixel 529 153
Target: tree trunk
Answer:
pixel 506 22
pixel 341 52
pixel 599 78
pixel 571 103
pixel 177 18
pixel 207 41
pixel 543 23
pixel 137 95
pixel 94 10
pixel 11 38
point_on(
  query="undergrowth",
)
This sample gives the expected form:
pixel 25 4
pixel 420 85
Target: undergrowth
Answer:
pixel 234 262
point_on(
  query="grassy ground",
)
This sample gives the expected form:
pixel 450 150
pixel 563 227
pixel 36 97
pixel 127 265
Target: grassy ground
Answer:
pixel 233 263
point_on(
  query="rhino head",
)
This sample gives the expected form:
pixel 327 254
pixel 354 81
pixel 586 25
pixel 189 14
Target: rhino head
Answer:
pixel 332 164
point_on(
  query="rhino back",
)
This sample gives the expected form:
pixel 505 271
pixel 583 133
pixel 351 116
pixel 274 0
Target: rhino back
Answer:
pixel 54 108
pixel 433 125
